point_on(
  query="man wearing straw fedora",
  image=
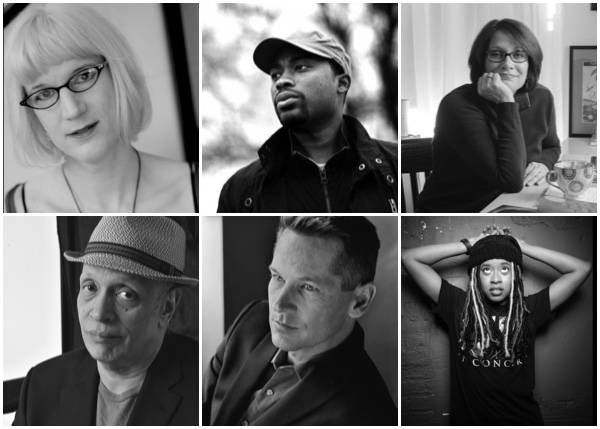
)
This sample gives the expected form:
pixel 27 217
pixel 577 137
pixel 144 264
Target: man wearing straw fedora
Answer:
pixel 132 371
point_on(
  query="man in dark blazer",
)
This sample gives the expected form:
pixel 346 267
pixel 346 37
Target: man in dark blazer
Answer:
pixel 299 359
pixel 132 370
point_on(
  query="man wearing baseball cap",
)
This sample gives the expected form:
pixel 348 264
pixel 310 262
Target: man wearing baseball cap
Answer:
pixel 132 371
pixel 320 160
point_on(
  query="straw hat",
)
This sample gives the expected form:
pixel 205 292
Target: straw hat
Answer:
pixel 148 246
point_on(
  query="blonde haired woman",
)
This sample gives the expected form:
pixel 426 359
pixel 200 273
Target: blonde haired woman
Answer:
pixel 76 99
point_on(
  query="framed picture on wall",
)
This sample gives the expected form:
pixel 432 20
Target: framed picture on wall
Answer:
pixel 582 91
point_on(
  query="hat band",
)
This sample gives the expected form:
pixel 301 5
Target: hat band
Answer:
pixel 135 255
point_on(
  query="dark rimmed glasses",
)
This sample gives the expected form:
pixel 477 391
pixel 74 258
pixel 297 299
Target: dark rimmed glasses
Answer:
pixel 80 82
pixel 497 56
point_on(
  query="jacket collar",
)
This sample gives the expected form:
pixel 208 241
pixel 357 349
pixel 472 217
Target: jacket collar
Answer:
pixel 157 401
pixel 159 396
pixel 325 375
pixel 78 394
pixel 275 152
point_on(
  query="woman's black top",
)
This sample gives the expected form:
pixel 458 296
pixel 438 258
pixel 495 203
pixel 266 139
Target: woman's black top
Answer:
pixel 481 149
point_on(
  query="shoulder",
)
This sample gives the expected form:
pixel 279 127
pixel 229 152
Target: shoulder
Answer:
pixel 61 367
pixel 166 184
pixel 541 94
pixel 254 317
pixel 239 187
pixel 47 191
pixel 463 94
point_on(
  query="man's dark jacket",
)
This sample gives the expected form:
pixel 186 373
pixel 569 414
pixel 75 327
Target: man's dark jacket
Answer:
pixel 342 388
pixel 63 391
pixel 363 179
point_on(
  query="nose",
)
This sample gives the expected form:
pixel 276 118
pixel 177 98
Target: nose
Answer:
pixel 103 308
pixel 71 104
pixel 284 299
pixel 508 63
pixel 285 80
pixel 495 277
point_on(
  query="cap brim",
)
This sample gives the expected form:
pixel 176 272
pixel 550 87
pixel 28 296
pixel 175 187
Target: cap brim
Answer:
pixel 124 265
pixel 267 50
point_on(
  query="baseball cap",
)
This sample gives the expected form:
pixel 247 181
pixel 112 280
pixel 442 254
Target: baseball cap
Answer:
pixel 312 42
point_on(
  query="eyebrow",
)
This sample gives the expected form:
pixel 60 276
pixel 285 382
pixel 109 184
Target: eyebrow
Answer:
pixel 77 70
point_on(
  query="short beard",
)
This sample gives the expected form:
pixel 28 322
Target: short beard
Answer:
pixel 296 122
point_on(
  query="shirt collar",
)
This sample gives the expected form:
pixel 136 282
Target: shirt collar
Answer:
pixel 341 143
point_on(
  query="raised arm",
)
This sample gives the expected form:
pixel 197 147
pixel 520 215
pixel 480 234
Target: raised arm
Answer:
pixel 573 271
pixel 418 262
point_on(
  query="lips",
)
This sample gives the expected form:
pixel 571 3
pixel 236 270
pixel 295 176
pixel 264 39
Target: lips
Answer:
pixel 282 322
pixel 286 99
pixel 496 291
pixel 83 131
pixel 507 76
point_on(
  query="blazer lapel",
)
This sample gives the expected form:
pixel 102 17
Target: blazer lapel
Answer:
pixel 158 398
pixel 79 394
pixel 236 400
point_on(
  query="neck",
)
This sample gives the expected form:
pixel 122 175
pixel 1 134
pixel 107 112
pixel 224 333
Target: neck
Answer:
pixel 106 185
pixel 119 380
pixel 320 142
pixel 301 356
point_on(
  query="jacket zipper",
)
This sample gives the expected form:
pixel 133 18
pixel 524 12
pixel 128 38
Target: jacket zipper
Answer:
pixel 325 191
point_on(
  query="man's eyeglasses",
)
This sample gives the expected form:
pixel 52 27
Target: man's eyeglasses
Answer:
pixel 497 56
pixel 81 81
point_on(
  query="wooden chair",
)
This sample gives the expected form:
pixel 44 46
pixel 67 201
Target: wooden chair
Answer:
pixel 416 157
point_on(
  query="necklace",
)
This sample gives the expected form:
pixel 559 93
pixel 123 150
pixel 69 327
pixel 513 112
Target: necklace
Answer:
pixel 137 183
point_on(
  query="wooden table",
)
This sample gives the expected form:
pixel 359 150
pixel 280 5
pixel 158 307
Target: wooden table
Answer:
pixel 528 200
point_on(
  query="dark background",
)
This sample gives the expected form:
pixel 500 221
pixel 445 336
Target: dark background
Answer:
pixel 565 366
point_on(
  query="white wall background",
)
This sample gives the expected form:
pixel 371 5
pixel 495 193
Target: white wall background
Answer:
pixel 31 295
pixel 212 287
pixel 143 27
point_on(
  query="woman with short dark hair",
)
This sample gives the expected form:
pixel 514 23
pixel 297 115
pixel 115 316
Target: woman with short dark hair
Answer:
pixel 498 133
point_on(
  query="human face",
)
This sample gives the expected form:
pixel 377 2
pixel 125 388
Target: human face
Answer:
pixel 121 317
pixel 512 74
pixel 83 126
pixel 304 89
pixel 495 279
pixel 308 311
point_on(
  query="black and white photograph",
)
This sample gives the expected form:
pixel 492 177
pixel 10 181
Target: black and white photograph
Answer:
pixel 486 108
pixel 498 320
pixel 101 108
pixel 101 321
pixel 300 110
pixel 299 321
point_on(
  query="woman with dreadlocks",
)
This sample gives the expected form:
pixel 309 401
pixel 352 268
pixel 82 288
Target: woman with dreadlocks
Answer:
pixel 492 324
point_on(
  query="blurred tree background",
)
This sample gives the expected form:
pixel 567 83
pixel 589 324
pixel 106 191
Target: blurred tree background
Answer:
pixel 237 112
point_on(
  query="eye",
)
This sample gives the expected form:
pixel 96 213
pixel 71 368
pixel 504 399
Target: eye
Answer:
pixel 505 269
pixel 485 270
pixel 126 294
pixel 495 54
pixel 88 288
pixel 309 287
pixel 43 95
pixel 301 67
pixel 275 74
pixel 520 55
pixel 277 277
pixel 85 76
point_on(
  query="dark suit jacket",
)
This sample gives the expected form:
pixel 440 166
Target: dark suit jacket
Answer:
pixel 64 390
pixel 342 388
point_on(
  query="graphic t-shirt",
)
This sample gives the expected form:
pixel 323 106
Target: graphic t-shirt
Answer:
pixel 494 390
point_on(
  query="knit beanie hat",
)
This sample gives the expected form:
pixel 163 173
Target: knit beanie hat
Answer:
pixel 495 247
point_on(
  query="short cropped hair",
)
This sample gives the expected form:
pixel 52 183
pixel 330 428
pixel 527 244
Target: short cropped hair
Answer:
pixel 47 35
pixel 357 261
pixel 522 36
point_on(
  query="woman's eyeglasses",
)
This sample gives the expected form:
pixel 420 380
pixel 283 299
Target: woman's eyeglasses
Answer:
pixel 497 56
pixel 79 82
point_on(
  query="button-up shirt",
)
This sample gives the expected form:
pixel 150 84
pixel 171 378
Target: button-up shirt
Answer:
pixel 282 377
